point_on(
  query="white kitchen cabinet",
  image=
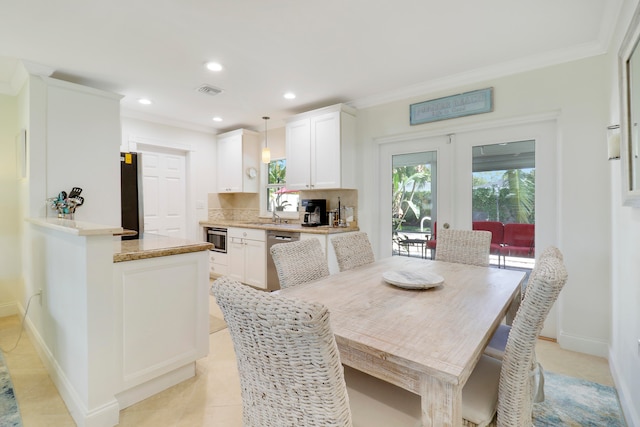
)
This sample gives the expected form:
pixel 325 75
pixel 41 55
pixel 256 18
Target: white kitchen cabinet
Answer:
pixel 238 162
pixel 247 256
pixel 320 146
pixel 217 264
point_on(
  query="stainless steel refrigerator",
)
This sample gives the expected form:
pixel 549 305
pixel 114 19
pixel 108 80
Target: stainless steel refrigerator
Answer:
pixel 131 193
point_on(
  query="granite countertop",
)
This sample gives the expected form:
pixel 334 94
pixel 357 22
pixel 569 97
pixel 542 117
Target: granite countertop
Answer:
pixel 153 245
pixel 78 228
pixel 294 227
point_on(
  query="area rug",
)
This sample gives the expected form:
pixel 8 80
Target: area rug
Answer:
pixel 215 324
pixel 575 402
pixel 9 412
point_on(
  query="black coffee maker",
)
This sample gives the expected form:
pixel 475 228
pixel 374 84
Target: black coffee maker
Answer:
pixel 315 212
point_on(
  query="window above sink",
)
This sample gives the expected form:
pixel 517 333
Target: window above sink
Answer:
pixel 285 202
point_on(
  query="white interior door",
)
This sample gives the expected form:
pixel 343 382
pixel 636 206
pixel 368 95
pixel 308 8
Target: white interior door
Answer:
pixel 164 191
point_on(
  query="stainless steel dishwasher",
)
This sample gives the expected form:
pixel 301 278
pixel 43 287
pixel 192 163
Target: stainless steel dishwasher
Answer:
pixel 273 238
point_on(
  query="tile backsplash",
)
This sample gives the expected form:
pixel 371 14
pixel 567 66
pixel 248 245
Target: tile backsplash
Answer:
pixel 246 206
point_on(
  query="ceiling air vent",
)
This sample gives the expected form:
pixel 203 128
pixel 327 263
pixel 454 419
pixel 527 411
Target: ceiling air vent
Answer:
pixel 209 90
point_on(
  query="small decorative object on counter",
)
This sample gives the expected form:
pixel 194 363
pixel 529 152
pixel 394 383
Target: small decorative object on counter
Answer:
pixel 66 204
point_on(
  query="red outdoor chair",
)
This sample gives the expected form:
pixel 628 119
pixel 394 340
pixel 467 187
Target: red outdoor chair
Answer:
pixel 431 243
pixel 497 235
pixel 518 241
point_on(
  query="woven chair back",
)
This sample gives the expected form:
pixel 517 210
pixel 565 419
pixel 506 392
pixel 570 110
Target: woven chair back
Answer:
pixel 464 246
pixel 517 384
pixel 353 250
pixel 288 360
pixel 299 262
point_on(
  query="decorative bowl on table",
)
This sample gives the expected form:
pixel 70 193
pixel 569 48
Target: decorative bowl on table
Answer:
pixel 413 279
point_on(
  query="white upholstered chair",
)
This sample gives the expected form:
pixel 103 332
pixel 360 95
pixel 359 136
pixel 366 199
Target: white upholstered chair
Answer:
pixel 352 250
pixel 288 361
pixel 299 262
pixel 464 246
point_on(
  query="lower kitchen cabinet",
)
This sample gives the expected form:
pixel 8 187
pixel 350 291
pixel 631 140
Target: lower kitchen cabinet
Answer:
pixel 218 265
pixel 247 256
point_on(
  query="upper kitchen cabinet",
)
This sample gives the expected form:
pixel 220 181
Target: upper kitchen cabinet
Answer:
pixel 320 147
pixel 238 162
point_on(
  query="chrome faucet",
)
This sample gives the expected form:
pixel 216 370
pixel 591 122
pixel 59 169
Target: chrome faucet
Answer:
pixel 276 217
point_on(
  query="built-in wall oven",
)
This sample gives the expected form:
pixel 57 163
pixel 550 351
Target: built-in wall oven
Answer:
pixel 217 236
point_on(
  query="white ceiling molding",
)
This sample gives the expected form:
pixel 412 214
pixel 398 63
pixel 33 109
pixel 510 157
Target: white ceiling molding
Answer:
pixel 137 115
pixel 484 74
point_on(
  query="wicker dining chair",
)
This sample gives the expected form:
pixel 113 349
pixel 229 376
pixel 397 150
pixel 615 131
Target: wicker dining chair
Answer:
pixel 510 384
pixel 353 250
pixel 288 360
pixel 498 341
pixel 299 262
pixel 464 246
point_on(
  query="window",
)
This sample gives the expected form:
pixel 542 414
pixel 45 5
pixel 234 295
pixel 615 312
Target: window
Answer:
pixel 278 197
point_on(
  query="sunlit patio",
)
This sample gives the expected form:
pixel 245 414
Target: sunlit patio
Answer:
pixel 417 247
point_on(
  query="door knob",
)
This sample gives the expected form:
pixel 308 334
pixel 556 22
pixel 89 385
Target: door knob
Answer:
pixel 445 225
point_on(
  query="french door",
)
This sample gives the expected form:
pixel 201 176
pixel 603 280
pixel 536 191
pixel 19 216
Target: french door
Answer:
pixel 452 183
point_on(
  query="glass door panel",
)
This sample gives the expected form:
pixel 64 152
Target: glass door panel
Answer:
pixel 503 191
pixel 416 191
pixel 414 200
pixel 504 180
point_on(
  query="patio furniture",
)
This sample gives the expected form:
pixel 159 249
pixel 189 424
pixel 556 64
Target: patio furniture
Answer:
pixel 497 235
pixel 431 243
pixel 401 243
pixel 518 241
pixel 352 250
pixel 464 246
pixel 299 262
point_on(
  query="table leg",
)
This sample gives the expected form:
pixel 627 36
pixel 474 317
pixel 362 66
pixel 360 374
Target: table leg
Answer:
pixel 441 403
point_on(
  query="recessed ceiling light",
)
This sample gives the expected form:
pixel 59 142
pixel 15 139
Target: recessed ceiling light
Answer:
pixel 290 95
pixel 213 66
pixel 145 101
pixel 217 119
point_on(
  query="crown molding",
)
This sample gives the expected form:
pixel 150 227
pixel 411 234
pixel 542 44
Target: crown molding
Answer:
pixel 485 74
pixel 137 115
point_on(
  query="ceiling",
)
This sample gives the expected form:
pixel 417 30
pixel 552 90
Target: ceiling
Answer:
pixel 361 52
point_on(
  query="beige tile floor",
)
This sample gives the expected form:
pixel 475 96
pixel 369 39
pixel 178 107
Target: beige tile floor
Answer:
pixel 212 397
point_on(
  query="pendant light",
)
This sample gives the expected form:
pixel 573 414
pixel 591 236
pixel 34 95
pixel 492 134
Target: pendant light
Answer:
pixel 266 153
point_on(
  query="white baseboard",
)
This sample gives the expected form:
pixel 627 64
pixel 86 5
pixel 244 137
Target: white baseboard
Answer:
pixel 9 309
pixel 107 415
pixel 630 410
pixel 139 393
pixel 584 345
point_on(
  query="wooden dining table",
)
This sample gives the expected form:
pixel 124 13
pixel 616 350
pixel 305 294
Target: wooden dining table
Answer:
pixel 427 341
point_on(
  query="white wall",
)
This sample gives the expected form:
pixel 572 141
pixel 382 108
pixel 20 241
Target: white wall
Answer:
pixel 201 161
pixel 625 277
pixel 82 149
pixel 10 211
pixel 576 93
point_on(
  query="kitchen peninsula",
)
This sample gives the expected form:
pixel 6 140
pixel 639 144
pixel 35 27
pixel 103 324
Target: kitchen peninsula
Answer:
pixel 119 320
